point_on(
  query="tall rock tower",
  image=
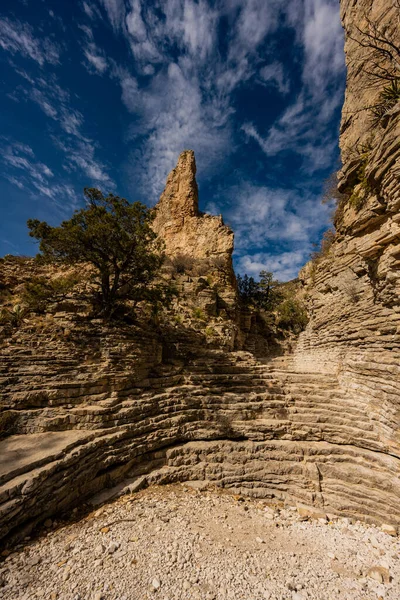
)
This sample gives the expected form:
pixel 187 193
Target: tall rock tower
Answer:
pixel 182 226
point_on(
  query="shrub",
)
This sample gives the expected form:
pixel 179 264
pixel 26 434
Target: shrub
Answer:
pixel 198 313
pixel 292 315
pixel 39 292
pixel 387 99
pixel 322 250
pixel 12 317
pixel 182 263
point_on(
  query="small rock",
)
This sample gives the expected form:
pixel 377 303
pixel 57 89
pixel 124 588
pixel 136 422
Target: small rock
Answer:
pixel 61 563
pixel 389 529
pixel 379 574
pixel 32 562
pixel 48 523
pixel 113 547
pixel 156 583
pixel 259 540
pixel 104 530
pixel 298 596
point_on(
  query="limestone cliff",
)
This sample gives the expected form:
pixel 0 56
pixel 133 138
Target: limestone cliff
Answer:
pixel 354 289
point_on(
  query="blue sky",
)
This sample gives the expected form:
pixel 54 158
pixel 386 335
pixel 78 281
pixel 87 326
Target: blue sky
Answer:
pixel 107 93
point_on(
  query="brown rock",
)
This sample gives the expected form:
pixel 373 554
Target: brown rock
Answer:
pixel 379 574
pixel 185 230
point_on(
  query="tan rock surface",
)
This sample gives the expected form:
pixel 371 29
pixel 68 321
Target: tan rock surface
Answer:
pixel 179 222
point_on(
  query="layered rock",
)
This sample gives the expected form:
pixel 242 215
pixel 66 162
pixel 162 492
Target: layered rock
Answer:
pixel 257 429
pixel 354 289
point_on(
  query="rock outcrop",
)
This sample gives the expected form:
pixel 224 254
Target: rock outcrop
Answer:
pixel 192 237
pixel 184 229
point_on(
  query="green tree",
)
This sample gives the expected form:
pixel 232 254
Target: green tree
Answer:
pixel 263 294
pixel 116 238
pixel 269 295
pixel 248 289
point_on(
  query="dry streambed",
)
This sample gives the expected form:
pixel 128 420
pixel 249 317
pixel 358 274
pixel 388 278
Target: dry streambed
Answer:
pixel 175 542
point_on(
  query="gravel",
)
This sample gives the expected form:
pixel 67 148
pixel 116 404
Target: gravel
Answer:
pixel 177 543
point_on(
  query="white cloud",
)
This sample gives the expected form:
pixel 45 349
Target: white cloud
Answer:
pixel 274 74
pixel 275 217
pixel 188 101
pixel 19 38
pixel 16 156
pixel 304 126
pixel 80 155
pixel 91 10
pixel 80 152
pixel 285 266
pixel 116 12
pixel 173 116
pixel 25 172
pixel 95 59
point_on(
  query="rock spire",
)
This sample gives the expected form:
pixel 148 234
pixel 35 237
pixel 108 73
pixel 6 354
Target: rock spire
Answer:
pixel 182 226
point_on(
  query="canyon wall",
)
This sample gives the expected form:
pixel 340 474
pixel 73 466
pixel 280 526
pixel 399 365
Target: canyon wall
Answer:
pixel 354 288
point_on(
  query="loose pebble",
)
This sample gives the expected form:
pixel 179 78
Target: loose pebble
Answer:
pixel 179 542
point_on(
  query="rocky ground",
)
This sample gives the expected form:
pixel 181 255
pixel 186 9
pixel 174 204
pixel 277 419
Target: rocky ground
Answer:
pixel 177 542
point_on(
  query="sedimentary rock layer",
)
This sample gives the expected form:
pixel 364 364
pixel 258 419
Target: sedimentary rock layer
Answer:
pixel 354 288
pixel 256 428
pixel 87 407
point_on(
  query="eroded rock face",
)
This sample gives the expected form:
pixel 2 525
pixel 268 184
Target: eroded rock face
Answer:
pixel 354 290
pixel 179 223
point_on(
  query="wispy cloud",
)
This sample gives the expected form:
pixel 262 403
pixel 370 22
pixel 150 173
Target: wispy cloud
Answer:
pixel 286 220
pixel 274 74
pixel 19 38
pixel 189 96
pixel 56 103
pixel 116 12
pixel 188 100
pixel 95 58
pixel 304 126
pixel 80 155
pixel 23 170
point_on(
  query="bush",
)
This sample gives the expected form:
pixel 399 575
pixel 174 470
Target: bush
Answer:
pixel 198 313
pixel 12 317
pixel 40 292
pixel 387 99
pixel 324 247
pixel 292 315
pixel 182 263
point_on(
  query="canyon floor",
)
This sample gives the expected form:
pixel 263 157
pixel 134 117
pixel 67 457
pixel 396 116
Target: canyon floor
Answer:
pixel 181 542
